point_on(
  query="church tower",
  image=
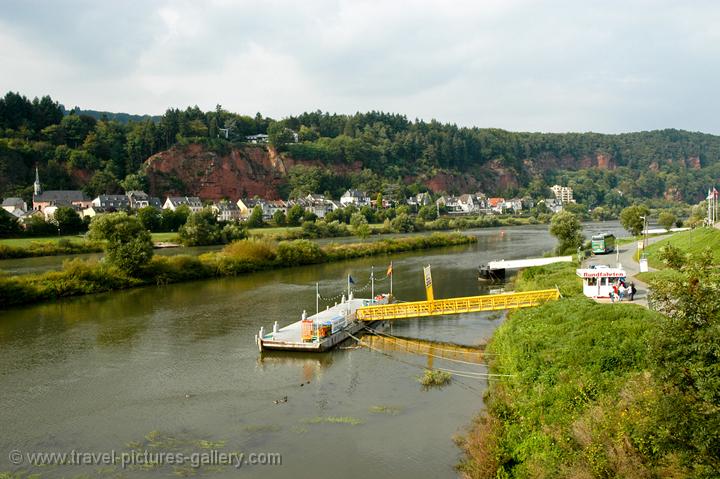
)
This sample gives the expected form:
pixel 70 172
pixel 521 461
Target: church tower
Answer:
pixel 37 189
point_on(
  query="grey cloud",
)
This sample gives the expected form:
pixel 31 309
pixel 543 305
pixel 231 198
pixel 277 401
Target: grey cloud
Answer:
pixel 522 65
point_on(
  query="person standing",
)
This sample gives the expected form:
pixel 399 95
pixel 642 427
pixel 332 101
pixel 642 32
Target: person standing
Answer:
pixel 622 290
pixel 632 291
pixel 615 290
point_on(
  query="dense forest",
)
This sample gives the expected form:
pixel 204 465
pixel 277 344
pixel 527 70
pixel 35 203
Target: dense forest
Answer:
pixel 105 153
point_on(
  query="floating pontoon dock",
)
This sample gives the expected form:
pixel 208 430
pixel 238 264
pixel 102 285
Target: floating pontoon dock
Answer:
pixel 340 319
pixel 495 270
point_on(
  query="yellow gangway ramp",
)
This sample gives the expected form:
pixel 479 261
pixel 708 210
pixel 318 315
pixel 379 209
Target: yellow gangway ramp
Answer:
pixel 470 304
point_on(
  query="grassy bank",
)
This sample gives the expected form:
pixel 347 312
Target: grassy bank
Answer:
pixel 692 241
pixel 61 246
pixel 561 275
pixel 576 397
pixel 574 403
pixel 13 248
pixel 85 277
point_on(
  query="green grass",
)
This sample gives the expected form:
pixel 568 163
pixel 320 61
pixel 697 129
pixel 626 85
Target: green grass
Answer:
pixel 549 276
pixel 168 237
pixel 573 393
pixel 275 230
pixel 25 242
pixel 434 378
pixel 693 241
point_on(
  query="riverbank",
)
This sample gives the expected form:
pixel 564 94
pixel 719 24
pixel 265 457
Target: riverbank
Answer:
pixel 577 396
pixel 87 277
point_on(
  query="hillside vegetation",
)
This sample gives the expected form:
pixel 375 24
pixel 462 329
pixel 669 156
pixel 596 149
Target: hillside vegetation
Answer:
pixel 388 153
pixel 690 242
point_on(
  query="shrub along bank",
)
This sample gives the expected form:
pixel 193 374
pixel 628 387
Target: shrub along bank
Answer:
pixel 578 395
pixel 85 277
pixel 49 248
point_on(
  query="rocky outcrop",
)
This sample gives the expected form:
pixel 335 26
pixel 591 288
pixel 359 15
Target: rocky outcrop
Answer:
pixel 195 170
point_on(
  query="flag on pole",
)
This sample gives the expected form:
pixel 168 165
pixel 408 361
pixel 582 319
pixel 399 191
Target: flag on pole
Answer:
pixel 350 280
pixel 389 270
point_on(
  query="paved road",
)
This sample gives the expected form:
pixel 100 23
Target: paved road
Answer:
pixel 632 267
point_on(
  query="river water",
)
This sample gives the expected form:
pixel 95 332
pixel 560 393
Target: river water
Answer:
pixel 175 369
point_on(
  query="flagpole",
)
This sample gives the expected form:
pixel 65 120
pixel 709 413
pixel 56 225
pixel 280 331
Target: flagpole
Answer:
pixel 317 298
pixel 348 279
pixel 392 273
pixel 372 283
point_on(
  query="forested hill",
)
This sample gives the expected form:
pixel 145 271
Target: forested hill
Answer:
pixel 119 117
pixel 374 151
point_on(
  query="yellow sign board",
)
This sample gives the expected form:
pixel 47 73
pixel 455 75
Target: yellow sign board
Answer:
pixel 428 283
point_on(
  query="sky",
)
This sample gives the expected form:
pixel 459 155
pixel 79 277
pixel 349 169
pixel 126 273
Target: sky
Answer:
pixel 551 66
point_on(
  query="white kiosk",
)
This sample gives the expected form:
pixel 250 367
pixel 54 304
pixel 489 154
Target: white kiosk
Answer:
pixel 599 281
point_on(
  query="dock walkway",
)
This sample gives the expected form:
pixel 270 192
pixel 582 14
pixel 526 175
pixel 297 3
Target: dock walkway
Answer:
pixel 470 304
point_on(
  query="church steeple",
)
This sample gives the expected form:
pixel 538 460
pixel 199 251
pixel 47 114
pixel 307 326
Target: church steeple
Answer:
pixel 37 189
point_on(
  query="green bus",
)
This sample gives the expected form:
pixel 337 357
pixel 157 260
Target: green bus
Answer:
pixel 603 243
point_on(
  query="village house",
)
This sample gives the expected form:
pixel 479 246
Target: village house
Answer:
pixel 247 205
pixel 174 202
pixel 354 197
pixel 259 139
pixel 496 204
pixel 564 194
pixel 226 211
pixel 43 199
pixel 419 200
pixel 140 199
pixel 466 203
pixel 553 204
pixel 319 205
pixel 112 202
pixel 15 206
pixel 274 206
pixel 514 204
pixel 91 211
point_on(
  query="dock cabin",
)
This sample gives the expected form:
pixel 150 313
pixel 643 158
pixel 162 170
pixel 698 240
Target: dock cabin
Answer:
pixel 598 281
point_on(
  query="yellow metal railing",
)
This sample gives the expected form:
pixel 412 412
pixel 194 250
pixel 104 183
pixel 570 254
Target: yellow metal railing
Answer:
pixel 470 304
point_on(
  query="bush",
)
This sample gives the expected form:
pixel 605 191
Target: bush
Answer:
pixel 254 250
pixel 298 252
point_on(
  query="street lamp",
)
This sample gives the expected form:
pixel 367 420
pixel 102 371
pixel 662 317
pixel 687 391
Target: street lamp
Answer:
pixel 644 218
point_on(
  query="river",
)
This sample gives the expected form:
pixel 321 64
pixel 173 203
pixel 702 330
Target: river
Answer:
pixel 175 368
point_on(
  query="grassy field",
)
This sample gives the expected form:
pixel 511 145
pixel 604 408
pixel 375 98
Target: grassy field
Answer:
pixel 171 237
pixel 23 242
pixel 572 397
pixel 693 241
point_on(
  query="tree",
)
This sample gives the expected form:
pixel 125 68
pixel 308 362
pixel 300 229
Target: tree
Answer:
pixel 632 218
pixel 279 135
pixel 685 358
pixel 129 245
pixel 134 182
pixel 295 215
pixel 402 223
pixel 150 218
pixel 255 220
pixel 279 218
pixel 173 220
pixel 9 225
pixel 68 221
pixel 360 225
pixel 201 228
pixel 428 212
pixel 566 227
pixel 666 219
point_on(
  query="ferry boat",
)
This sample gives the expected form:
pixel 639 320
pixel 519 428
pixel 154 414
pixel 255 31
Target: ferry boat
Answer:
pixel 321 331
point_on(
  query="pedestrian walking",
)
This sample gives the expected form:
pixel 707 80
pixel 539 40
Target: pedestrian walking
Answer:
pixel 612 297
pixel 632 291
pixel 615 290
pixel 622 291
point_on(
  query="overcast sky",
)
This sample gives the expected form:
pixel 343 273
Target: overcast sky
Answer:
pixel 520 65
